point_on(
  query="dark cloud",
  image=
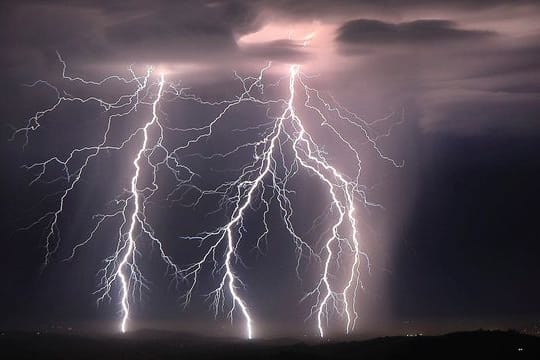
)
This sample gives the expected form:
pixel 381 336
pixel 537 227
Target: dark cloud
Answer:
pixel 374 32
pixel 461 49
pixel 278 49
pixel 462 81
pixel 171 34
pixel 315 9
pixel 182 23
pixel 166 30
pixel 129 32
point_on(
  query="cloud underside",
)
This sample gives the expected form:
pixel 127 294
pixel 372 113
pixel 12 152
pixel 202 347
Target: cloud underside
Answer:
pixel 443 48
pixel 419 32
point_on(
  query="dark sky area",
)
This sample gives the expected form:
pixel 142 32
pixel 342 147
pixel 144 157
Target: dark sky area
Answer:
pixel 456 243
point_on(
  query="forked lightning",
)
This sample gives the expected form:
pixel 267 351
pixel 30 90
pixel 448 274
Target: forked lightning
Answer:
pixel 284 147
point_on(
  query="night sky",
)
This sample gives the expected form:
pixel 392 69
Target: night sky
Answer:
pixel 455 244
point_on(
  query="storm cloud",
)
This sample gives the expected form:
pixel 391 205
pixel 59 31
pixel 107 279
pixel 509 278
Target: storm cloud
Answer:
pixel 374 32
pixel 431 44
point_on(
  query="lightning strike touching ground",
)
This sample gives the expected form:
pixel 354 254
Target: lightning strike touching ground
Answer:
pixel 283 147
pixel 128 258
pixel 270 164
pixel 129 208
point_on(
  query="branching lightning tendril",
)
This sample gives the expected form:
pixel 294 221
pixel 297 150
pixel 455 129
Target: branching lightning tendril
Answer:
pixel 130 206
pixel 284 148
pixel 249 188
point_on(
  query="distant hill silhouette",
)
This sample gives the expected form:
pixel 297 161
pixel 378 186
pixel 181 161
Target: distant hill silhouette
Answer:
pixel 150 344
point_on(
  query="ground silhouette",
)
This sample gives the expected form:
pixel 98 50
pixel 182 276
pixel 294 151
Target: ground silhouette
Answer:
pixel 166 345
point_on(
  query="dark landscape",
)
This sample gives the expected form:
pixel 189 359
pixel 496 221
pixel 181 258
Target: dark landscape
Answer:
pixel 169 345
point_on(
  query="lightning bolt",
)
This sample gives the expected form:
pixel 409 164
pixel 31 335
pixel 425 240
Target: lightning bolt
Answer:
pixel 128 259
pixel 284 147
pixel 130 207
pixel 270 165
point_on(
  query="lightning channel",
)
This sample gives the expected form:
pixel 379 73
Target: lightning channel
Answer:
pixel 265 181
pixel 129 209
pixel 284 146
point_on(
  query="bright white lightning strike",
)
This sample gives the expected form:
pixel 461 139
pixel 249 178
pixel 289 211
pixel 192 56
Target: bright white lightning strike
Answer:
pixel 128 258
pixel 130 207
pixel 262 182
pixel 269 161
